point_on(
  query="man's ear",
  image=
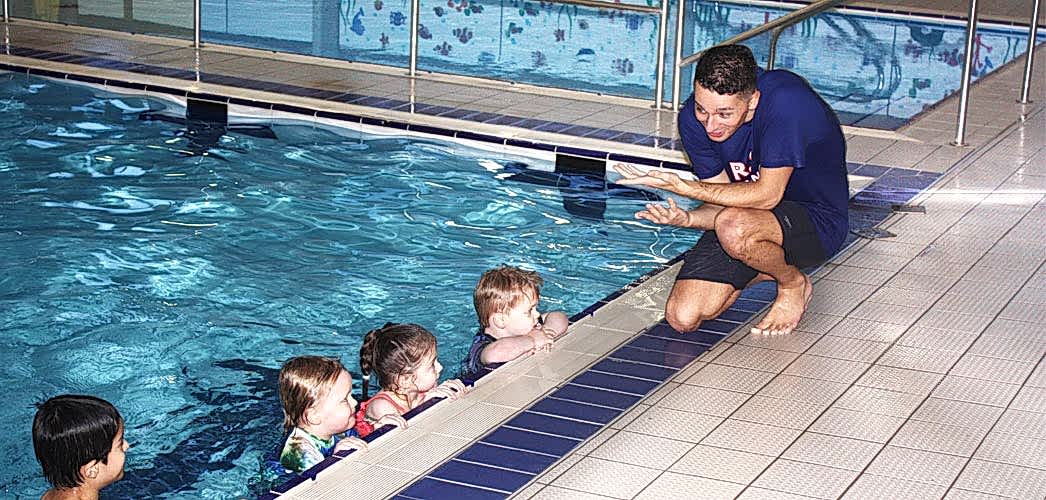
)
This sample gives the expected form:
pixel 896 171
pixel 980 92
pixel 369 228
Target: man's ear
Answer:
pixel 754 101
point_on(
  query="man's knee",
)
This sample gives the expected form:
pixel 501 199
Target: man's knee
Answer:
pixel 687 316
pixel 735 229
pixel 681 323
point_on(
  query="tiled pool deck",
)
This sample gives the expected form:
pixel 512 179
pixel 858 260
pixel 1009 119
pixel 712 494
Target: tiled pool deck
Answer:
pixel 917 372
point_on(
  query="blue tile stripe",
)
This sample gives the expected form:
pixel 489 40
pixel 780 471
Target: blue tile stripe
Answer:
pixel 511 455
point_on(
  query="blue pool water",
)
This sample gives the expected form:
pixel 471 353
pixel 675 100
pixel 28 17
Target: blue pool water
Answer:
pixel 172 273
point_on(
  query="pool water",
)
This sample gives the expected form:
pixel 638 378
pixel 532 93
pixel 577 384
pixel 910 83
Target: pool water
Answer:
pixel 172 271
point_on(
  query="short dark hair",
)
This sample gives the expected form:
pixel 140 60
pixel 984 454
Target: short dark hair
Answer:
pixel 727 70
pixel 70 431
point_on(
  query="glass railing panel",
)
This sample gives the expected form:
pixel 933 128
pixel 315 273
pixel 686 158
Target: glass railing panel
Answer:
pixel 171 18
pixel 373 31
pixel 874 70
pixel 608 51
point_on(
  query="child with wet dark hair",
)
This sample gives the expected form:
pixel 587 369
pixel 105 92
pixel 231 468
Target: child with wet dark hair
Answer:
pixel 510 325
pixel 318 411
pixel 403 356
pixel 79 442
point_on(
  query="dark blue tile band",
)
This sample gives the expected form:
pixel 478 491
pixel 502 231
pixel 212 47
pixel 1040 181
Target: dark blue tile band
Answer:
pixel 598 397
pixel 432 489
pixel 481 476
pixel 547 424
pixel 530 441
pixel 507 458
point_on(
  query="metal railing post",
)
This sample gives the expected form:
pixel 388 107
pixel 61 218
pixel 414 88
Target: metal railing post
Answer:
pixel 196 23
pixel 7 17
pixel 774 36
pixel 1032 28
pixel 415 19
pixel 677 72
pixel 967 69
pixel 662 27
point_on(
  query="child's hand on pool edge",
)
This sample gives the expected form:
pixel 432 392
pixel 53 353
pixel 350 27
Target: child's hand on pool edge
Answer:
pixel 350 443
pixel 391 419
pixel 451 389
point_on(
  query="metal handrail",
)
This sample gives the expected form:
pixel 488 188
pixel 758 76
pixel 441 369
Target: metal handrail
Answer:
pixel 777 26
pixel 196 9
pixel 415 21
pixel 611 5
pixel 662 35
pixel 1030 53
pixel 967 69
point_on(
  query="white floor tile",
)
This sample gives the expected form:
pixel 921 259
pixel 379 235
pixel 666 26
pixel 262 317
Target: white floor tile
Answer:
pixel 917 465
pixel 672 485
pixel 722 464
pixel 607 478
pixel 642 449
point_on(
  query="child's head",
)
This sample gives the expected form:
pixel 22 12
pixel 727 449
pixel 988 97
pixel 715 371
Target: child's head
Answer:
pixel 403 356
pixel 316 393
pixel 79 441
pixel 506 300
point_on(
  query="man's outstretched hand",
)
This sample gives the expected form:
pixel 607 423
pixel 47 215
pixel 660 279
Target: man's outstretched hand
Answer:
pixel 670 215
pixel 654 178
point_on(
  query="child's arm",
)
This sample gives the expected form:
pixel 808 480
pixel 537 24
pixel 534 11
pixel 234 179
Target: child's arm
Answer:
pixel 509 348
pixel 556 322
pixel 381 411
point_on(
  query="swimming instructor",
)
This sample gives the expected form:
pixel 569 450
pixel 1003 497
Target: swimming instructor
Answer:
pixel 771 162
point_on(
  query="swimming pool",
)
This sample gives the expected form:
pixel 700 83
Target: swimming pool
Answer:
pixel 171 271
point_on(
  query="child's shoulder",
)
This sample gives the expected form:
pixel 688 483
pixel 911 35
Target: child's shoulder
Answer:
pixel 297 450
pixel 380 403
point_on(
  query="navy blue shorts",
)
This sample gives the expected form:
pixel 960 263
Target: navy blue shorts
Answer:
pixel 709 262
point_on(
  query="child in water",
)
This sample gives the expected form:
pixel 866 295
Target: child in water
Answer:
pixel 318 410
pixel 79 443
pixel 506 300
pixel 403 356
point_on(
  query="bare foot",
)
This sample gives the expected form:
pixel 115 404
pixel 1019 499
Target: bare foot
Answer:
pixel 787 309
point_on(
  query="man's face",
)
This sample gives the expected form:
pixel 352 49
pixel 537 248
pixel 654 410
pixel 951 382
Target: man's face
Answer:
pixel 720 114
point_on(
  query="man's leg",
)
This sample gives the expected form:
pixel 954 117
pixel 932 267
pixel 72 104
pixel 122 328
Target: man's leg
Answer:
pixel 693 301
pixel 755 237
pixel 709 281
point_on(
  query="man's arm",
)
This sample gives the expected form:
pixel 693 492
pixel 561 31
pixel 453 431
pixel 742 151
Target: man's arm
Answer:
pixel 763 194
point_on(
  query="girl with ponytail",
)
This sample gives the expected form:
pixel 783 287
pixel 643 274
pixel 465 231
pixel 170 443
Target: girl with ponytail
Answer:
pixel 403 359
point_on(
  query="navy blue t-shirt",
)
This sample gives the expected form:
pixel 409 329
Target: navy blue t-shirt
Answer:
pixel 472 367
pixel 792 127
